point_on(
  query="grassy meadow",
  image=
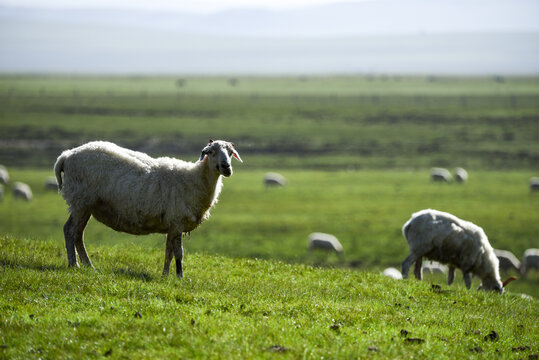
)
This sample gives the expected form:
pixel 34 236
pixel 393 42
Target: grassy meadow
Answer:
pixel 356 152
pixel 242 308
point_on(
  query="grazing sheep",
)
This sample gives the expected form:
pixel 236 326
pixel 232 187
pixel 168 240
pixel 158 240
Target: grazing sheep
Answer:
pixel 274 179
pixel 507 260
pixel 50 184
pixel 443 237
pixel 326 242
pixel 440 174
pixel 461 175
pixel 534 184
pixel 4 175
pixel 530 260
pixel 22 191
pixel 132 192
pixel 392 273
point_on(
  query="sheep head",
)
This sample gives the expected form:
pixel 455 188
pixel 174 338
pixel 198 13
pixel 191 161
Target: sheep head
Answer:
pixel 219 154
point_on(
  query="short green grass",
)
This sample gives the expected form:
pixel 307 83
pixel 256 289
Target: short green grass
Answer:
pixel 364 209
pixel 242 308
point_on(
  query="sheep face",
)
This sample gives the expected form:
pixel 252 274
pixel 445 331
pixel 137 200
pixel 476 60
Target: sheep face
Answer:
pixel 220 155
pixel 491 284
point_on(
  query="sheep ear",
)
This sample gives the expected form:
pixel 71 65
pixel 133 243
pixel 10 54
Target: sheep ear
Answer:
pixel 237 156
pixel 205 152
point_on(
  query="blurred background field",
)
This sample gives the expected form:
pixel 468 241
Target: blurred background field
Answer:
pixel 356 151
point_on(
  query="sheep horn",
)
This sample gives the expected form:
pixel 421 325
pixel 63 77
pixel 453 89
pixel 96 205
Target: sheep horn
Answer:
pixel 508 280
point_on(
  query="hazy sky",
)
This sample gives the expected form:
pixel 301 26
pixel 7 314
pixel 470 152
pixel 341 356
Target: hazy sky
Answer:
pixel 172 5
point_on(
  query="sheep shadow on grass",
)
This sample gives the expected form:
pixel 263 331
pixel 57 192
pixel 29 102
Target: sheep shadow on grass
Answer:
pixel 134 274
pixel 9 263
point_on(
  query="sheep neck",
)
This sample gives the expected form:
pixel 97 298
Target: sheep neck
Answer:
pixel 211 184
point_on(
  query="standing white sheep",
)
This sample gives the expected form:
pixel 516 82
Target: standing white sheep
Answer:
pixel 447 239
pixel 530 260
pixel 132 192
pixel 440 174
pixel 326 242
pixel 22 191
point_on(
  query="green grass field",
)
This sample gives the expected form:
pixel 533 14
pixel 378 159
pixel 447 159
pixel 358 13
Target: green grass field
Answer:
pixel 242 308
pixel 356 152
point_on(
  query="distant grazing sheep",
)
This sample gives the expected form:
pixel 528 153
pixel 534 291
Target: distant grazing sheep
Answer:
pixel 447 239
pixel 22 191
pixel 4 175
pixel 392 273
pixel 132 192
pixel 50 184
pixel 461 175
pixel 534 184
pixel 508 261
pixel 440 174
pixel 274 179
pixel 326 242
pixel 530 260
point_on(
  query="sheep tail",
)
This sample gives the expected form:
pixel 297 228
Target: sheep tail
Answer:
pixel 58 169
pixel 405 229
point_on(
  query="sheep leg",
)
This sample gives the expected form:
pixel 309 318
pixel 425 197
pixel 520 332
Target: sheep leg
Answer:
pixel 467 279
pixel 73 233
pixel 406 265
pixel 79 241
pixel 451 275
pixel 178 254
pixel 169 251
pixel 418 269
pixel 70 241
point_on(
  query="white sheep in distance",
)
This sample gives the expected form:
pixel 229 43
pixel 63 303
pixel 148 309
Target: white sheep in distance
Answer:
pixel 22 191
pixel 447 239
pixel 392 273
pixel 132 192
pixel 461 175
pixel 534 184
pixel 530 260
pixel 4 175
pixel 274 179
pixel 440 174
pixel 508 261
pixel 50 184
pixel 326 242
pixel 434 267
